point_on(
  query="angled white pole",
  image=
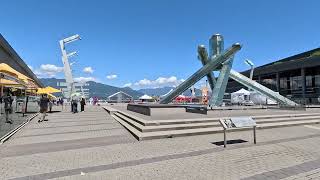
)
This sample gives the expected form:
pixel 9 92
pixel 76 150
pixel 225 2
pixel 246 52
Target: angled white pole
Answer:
pixel 66 64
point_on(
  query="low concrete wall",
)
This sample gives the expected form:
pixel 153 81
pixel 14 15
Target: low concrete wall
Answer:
pixel 139 109
pixel 199 110
pixel 146 108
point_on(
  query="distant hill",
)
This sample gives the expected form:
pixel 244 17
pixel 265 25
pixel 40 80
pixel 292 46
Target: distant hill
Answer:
pixel 164 90
pixel 155 91
pixel 104 90
pixel 96 89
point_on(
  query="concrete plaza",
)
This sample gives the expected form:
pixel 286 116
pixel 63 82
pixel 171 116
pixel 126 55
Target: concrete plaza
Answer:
pixel 92 145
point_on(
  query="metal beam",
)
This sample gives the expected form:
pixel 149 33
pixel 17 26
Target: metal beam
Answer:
pixel 203 56
pixel 216 42
pixel 221 85
pixel 260 88
pixel 213 64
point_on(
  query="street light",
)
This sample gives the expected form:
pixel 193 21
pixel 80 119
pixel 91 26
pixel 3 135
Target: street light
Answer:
pixel 250 63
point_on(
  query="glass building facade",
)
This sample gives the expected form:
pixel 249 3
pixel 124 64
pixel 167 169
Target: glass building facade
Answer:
pixel 296 77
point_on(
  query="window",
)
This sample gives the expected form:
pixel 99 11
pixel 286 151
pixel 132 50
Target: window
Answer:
pixel 308 81
pixel 317 80
pixel 296 82
pixel 283 83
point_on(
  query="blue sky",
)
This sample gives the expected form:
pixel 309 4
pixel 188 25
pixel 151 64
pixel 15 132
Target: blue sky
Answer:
pixel 154 43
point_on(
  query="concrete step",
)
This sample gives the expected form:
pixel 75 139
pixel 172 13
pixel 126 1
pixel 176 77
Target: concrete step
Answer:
pixel 136 133
pixel 208 120
pixel 166 127
pixel 138 119
pixel 130 121
pixel 166 132
pixel 286 115
pixel 289 123
pixel 145 129
pixel 215 123
pixel 213 130
pixel 109 109
pixel 288 119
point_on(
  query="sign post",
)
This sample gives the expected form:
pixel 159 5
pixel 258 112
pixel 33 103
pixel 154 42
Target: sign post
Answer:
pixel 238 123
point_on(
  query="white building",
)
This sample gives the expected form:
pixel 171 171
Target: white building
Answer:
pixel 120 97
pixel 79 87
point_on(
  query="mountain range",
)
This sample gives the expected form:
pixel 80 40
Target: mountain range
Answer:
pixel 164 90
pixel 102 91
pixel 99 90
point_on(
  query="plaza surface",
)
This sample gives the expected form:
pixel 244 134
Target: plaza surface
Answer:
pixel 92 145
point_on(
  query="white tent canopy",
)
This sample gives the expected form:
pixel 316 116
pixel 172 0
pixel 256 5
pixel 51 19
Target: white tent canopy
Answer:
pixel 145 97
pixel 240 96
pixel 242 91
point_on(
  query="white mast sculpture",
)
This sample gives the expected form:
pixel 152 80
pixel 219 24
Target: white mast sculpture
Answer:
pixel 66 64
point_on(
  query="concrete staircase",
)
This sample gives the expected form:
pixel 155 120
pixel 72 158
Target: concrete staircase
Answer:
pixel 155 129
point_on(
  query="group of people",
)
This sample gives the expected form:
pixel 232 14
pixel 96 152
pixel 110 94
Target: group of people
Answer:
pixel 60 102
pixel 74 105
pixel 46 103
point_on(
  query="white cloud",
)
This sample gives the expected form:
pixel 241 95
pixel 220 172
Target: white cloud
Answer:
pixel 159 82
pixel 112 76
pixel 51 68
pixel 47 70
pixel 88 70
pixel 143 82
pixel 127 85
pixel 84 79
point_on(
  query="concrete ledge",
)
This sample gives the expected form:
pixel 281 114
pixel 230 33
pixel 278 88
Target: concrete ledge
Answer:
pixel 145 109
pixel 109 109
pixel 197 109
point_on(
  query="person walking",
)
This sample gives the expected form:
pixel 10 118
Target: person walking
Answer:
pixel 62 103
pixel 8 106
pixel 50 105
pixel 43 107
pixel 74 104
pixel 82 103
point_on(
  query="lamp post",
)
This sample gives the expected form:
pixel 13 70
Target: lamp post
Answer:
pixel 250 63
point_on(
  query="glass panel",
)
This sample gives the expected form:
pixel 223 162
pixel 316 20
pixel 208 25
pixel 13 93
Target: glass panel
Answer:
pixel 317 80
pixel 283 83
pixel 309 81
